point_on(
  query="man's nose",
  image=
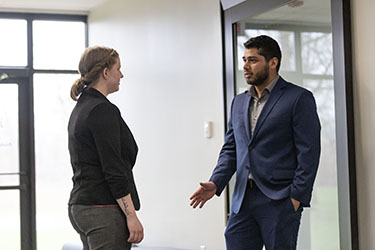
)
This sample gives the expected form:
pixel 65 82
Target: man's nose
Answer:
pixel 246 65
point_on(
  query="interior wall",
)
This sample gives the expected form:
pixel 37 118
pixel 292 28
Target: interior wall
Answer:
pixel 364 101
pixel 171 57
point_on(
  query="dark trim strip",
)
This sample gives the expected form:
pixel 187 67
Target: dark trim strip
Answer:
pixel 345 141
pixel 38 16
pixel 12 174
pixel 9 187
pixel 55 71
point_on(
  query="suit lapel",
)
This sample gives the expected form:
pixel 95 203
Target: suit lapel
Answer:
pixel 246 113
pixel 276 93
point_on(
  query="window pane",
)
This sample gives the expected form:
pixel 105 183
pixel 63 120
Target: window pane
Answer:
pixel 317 53
pixel 9 179
pixel 13 42
pixel 58 44
pixel 53 170
pixel 9 145
pixel 324 216
pixel 10 220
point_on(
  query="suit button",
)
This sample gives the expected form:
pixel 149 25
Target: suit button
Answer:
pixel 251 147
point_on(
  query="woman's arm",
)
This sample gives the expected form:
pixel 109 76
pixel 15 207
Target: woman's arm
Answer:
pixel 105 128
pixel 134 225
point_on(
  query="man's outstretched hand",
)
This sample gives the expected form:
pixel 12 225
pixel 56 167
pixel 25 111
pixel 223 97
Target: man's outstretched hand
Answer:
pixel 203 194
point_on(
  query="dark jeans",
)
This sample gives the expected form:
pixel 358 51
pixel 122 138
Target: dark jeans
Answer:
pixel 262 221
pixel 100 227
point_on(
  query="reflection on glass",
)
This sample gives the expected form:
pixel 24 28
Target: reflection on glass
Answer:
pixel 13 42
pixel 58 44
pixel 306 61
pixel 316 54
pixel 10 220
pixel 286 42
pixel 52 108
pixel 9 145
pixel 324 211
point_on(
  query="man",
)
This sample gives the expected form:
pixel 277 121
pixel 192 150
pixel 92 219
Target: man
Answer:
pixel 273 145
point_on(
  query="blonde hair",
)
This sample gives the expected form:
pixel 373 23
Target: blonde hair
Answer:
pixel 92 63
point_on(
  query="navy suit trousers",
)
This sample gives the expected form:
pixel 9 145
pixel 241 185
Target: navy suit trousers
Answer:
pixel 262 221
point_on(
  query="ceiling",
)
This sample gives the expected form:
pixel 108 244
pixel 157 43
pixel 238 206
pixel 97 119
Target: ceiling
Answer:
pixel 312 12
pixel 50 6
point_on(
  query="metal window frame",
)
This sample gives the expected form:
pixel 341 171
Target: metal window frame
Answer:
pixel 343 87
pixel 24 77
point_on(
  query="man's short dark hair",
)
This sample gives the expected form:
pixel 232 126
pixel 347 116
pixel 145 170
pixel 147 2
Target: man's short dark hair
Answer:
pixel 266 46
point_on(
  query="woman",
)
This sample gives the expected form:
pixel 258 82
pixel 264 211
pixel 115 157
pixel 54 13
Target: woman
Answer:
pixel 103 152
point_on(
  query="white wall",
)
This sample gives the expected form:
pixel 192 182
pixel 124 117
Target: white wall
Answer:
pixel 172 61
pixel 364 102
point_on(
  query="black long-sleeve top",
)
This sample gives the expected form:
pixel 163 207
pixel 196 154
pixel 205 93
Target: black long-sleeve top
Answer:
pixel 102 152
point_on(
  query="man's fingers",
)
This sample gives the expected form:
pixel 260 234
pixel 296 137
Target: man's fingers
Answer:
pixel 203 194
pixel 194 195
pixel 196 203
pixel 202 204
pixel 193 202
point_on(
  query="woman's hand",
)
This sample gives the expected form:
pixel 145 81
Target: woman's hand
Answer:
pixel 135 229
pixel 134 225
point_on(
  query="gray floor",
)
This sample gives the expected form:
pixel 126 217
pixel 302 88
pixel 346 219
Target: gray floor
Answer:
pixel 77 246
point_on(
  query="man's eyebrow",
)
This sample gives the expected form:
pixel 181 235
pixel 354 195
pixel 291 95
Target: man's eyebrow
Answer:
pixel 250 57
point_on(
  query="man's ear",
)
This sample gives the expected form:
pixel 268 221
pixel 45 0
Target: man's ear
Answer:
pixel 273 63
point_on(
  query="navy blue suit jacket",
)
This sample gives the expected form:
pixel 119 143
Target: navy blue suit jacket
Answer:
pixel 283 152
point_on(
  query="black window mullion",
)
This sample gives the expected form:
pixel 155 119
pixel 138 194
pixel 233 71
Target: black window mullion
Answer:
pixel 27 166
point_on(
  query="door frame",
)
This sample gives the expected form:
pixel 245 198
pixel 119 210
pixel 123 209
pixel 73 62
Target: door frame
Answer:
pixel 343 88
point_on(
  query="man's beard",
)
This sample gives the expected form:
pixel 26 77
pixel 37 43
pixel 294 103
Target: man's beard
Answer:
pixel 260 77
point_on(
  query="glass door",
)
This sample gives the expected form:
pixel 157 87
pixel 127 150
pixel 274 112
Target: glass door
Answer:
pixel 307 61
pixel 16 189
pixel 10 169
pixel 309 44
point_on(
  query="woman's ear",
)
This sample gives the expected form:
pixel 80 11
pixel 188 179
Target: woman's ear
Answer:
pixel 105 73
